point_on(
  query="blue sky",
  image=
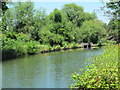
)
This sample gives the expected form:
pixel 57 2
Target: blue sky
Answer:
pixel 88 7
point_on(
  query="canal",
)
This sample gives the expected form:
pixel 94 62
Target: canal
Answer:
pixel 50 70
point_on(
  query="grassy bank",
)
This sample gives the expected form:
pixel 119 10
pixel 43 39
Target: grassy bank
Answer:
pixel 13 49
pixel 103 73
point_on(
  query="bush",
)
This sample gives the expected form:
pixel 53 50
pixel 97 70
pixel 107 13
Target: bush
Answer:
pixel 103 40
pixel 19 46
pixel 57 47
pixel 103 73
pixel 44 48
pixel 111 42
pixel 64 44
pixel 23 37
pixel 75 46
pixel 12 48
pixel 33 47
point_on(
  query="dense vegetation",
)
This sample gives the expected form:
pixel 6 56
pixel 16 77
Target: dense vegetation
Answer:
pixel 113 12
pixel 102 73
pixel 104 70
pixel 26 30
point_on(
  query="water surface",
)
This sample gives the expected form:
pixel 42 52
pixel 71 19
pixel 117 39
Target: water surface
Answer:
pixel 50 70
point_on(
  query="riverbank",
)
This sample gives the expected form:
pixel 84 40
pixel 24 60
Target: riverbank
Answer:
pixel 103 73
pixel 36 49
pixel 58 48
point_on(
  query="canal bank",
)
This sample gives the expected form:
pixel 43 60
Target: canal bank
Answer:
pixel 77 46
pixel 12 54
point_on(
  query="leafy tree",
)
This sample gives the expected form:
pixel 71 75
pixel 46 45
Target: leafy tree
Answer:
pixel 57 16
pixel 73 13
pixel 113 28
pixel 49 36
pixel 92 31
pixel 114 5
pixel 88 16
pixel 9 16
pixel 29 27
pixel 76 14
pixel 111 9
pixel 39 21
pixel 3 9
pixel 23 16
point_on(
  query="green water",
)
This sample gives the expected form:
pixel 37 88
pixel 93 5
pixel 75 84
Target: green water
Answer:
pixel 51 70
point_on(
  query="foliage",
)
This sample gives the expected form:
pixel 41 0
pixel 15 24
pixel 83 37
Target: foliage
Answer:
pixel 45 48
pixel 33 47
pixel 113 30
pixel 4 6
pixel 92 31
pixel 102 73
pixel 114 6
pixel 33 30
pixel 18 48
pixel 56 16
pixel 76 14
pixel 113 11
pixel 3 9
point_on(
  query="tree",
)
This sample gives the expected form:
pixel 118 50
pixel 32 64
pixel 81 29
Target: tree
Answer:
pixel 92 31
pixel 3 9
pixel 56 16
pixel 3 6
pixel 50 38
pixel 114 5
pixel 23 16
pixel 113 28
pixel 73 13
pixel 39 21
pixel 76 14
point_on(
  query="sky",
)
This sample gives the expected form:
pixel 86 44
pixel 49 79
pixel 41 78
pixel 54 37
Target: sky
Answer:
pixel 88 7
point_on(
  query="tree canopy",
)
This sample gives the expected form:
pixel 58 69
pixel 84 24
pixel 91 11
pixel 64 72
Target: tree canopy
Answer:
pixel 113 26
pixel 70 25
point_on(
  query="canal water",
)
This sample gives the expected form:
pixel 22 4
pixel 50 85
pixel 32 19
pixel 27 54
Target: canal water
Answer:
pixel 50 70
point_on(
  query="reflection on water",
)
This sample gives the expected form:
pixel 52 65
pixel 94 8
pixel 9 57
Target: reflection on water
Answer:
pixel 51 70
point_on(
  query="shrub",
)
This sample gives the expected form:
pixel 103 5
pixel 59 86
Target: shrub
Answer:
pixel 33 47
pixel 102 73
pixel 75 46
pixel 12 48
pixel 23 37
pixel 44 48
pixel 64 44
pixel 57 47
pixel 111 42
